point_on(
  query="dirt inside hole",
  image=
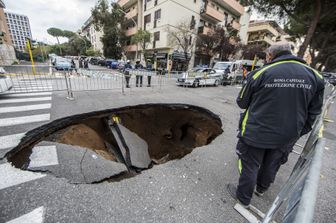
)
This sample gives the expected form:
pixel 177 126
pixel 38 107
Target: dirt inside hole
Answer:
pixel 169 133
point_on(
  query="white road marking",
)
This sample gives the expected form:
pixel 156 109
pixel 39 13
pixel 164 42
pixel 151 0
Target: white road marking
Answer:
pixel 36 216
pixel 31 94
pixel 25 108
pixel 24 120
pixel 19 100
pixel 43 156
pixel 11 176
pixel 30 88
pixel 10 141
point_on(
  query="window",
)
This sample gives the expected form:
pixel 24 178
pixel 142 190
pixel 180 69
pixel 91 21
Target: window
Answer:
pixel 147 19
pixel 226 18
pixel 157 14
pixel 190 39
pixel 156 36
pixel 194 1
pixel 193 22
pixel 155 3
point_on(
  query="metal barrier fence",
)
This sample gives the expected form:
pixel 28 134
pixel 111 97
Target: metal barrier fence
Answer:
pixel 299 193
pixel 45 78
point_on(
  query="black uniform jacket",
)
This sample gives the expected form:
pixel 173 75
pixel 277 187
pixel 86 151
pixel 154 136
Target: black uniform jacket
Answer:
pixel 282 100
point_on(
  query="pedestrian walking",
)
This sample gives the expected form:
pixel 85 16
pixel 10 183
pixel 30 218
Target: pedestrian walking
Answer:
pixel 282 100
pixel 127 73
pixel 138 66
pixel 149 69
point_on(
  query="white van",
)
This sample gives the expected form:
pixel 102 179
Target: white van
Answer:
pixel 233 70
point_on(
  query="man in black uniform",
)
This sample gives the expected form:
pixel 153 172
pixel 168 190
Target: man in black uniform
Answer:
pixel 127 72
pixel 282 100
pixel 138 76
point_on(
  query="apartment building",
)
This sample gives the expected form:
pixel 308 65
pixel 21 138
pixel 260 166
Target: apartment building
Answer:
pixel 160 16
pixel 89 31
pixel 7 53
pixel 19 29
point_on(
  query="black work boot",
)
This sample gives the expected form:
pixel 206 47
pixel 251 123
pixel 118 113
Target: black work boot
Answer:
pixel 232 189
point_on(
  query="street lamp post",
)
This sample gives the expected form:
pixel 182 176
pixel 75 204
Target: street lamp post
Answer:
pixel 136 52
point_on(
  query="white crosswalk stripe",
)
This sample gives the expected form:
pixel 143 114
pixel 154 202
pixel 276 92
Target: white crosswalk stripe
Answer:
pixel 19 100
pixel 25 108
pixel 11 176
pixel 10 141
pixel 35 216
pixel 18 104
pixel 24 120
pixel 43 156
pixel 30 94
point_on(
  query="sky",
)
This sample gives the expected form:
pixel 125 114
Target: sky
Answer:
pixel 63 14
pixel 43 14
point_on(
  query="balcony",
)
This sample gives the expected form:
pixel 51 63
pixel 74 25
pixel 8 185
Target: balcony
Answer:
pixel 131 31
pixel 131 48
pixel 204 30
pixel 263 28
pixel 126 3
pixel 232 5
pixel 212 13
pixel 131 14
pixel 236 25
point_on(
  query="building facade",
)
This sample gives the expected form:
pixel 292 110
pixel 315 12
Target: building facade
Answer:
pixel 7 53
pixel 159 17
pixel 19 29
pixel 90 33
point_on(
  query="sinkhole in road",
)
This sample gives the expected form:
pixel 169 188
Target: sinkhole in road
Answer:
pixel 137 137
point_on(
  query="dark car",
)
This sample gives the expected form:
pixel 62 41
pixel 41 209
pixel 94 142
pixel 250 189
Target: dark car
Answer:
pixel 329 77
pixel 102 62
pixel 113 64
pixel 94 60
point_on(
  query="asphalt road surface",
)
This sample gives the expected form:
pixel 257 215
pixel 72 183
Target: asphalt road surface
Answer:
pixel 190 189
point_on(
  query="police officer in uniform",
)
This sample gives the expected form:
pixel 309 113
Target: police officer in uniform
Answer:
pixel 138 75
pixel 281 101
pixel 149 69
pixel 127 69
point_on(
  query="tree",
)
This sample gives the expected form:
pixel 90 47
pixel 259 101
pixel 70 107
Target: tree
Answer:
pixel 305 12
pixel 182 37
pixel 250 51
pixel 322 45
pixel 55 32
pixel 93 53
pixel 68 34
pixel 143 38
pixel 109 19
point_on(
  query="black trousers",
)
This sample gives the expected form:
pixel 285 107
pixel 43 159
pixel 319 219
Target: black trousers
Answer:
pixel 149 78
pixel 138 77
pixel 127 78
pixel 258 167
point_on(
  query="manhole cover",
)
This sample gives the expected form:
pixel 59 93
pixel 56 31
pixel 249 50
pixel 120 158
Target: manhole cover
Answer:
pixel 122 141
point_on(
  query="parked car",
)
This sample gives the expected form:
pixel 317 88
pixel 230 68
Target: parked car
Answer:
pixel 63 64
pixel 329 77
pixel 5 82
pixel 113 64
pixel 102 62
pixel 121 65
pixel 200 77
pixel 233 70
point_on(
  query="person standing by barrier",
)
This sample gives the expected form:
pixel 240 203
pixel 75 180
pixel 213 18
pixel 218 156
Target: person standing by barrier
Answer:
pixel 149 72
pixel 127 73
pixel 282 100
pixel 138 66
